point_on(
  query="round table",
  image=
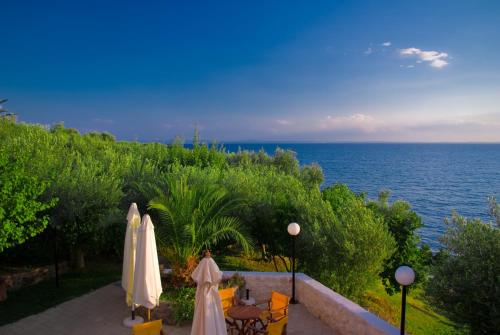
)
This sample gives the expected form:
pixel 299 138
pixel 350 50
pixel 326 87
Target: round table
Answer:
pixel 249 301
pixel 246 315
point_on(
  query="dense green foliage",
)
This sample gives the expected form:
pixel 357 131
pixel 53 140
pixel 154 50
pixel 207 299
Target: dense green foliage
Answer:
pixel 22 213
pixel 403 224
pixel 350 249
pixel 466 276
pixel 196 192
pixel 182 301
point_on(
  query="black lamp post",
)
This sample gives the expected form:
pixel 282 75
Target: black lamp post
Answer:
pixel 405 277
pixel 294 230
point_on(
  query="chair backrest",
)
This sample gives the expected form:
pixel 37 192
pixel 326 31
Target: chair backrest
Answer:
pixel 148 328
pixel 227 298
pixel 279 302
pixel 277 327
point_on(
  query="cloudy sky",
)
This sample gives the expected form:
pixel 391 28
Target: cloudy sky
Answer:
pixel 399 71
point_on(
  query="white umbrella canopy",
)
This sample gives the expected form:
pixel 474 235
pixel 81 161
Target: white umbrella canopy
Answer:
pixel 208 313
pixel 147 280
pixel 133 222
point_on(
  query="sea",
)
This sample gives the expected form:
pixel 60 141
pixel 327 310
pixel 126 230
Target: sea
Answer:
pixel 436 179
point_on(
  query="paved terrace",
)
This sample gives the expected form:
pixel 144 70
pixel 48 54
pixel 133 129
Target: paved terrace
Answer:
pixel 102 312
pixel 320 311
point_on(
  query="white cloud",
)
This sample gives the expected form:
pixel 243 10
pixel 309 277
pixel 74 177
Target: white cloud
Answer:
pixel 434 58
pixel 439 63
pixel 387 44
pixel 368 51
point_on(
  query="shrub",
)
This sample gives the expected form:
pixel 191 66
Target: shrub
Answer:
pixel 348 253
pixel 403 224
pixel 22 213
pixel 466 276
pixel 183 301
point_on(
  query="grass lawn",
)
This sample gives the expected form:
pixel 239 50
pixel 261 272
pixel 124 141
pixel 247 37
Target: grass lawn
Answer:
pixel 241 263
pixel 37 298
pixel 420 318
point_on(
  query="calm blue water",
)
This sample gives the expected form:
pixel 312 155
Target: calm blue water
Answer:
pixel 434 178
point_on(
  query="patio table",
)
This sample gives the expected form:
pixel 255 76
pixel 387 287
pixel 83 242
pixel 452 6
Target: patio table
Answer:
pixel 244 317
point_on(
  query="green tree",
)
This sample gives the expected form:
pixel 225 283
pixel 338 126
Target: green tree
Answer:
pixel 90 192
pixel 273 199
pixel 349 252
pixel 465 280
pixel 403 224
pixel 22 212
pixel 194 217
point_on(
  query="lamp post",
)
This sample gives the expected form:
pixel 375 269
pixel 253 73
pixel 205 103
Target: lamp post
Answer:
pixel 294 230
pixel 405 277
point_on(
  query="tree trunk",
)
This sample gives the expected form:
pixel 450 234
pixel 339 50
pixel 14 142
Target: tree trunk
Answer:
pixel 275 265
pixel 263 252
pixel 78 258
pixel 284 263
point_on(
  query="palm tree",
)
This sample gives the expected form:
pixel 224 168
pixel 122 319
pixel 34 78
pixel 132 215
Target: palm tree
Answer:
pixel 192 218
pixel 5 113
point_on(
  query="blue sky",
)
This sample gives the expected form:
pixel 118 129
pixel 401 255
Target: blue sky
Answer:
pixel 418 71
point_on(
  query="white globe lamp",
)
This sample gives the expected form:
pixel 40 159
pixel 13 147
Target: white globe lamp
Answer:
pixel 293 229
pixel 405 276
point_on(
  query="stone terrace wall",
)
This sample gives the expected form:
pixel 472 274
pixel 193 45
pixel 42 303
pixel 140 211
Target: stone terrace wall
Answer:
pixel 341 314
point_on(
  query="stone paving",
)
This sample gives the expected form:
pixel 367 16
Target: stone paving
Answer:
pixel 102 312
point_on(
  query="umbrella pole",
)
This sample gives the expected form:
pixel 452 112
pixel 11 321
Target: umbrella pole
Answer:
pixel 149 314
pixel 133 312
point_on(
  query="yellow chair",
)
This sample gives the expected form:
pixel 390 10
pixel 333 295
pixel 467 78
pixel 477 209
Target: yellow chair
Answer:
pixel 228 299
pixel 277 306
pixel 148 328
pixel 272 327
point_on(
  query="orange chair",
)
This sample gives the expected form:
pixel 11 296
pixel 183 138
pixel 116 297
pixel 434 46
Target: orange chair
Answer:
pixel 271 327
pixel 148 328
pixel 278 306
pixel 274 320
pixel 228 299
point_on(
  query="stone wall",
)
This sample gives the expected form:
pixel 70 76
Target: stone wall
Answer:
pixel 341 314
pixel 18 279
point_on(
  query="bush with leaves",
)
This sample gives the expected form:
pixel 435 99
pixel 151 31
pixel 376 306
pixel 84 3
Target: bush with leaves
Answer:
pixel 403 224
pixel 348 253
pixel 182 300
pixel 273 199
pixel 22 212
pixel 465 280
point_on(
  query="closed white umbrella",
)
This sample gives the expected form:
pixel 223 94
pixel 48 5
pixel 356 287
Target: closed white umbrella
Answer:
pixel 133 222
pixel 208 313
pixel 147 280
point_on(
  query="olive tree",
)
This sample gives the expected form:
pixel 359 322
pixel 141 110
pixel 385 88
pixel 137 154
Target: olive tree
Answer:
pixel 403 224
pixel 348 253
pixel 465 280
